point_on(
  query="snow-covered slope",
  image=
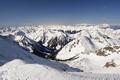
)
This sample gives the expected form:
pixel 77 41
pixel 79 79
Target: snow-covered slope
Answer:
pixel 20 70
pixel 95 46
pixel 87 48
pixel 9 50
pixel 21 65
pixel 89 40
pixel 53 39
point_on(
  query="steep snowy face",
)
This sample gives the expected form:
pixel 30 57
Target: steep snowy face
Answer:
pixel 32 46
pixel 80 51
pixel 83 41
pixel 87 41
pixel 96 47
pixel 19 64
pixel 82 45
pixel 39 40
pixel 23 41
pixel 10 50
pixel 53 39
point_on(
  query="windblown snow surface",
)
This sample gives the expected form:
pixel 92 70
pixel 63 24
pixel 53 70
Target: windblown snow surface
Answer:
pixel 60 52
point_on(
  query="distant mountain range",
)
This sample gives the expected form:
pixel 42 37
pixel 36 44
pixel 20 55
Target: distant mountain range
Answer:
pixel 64 50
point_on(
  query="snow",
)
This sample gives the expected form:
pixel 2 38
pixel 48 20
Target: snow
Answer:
pixel 93 45
pixel 21 70
pixel 10 50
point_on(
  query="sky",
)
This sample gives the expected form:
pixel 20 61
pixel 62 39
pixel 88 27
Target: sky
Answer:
pixel 59 11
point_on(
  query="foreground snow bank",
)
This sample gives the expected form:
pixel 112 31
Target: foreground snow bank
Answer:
pixel 22 70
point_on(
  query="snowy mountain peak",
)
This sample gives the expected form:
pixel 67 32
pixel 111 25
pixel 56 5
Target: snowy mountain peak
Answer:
pixel 59 50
